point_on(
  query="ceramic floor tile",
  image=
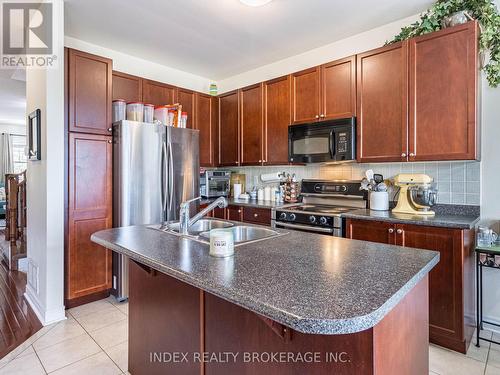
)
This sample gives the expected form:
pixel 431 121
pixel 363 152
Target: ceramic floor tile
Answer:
pixel 68 351
pixel 119 355
pixel 98 363
pixel 494 356
pixel 27 351
pixel 123 307
pixel 491 370
pixel 28 364
pixel 111 335
pixel 97 320
pixel 62 331
pixel 90 308
pixel 481 353
pixel 446 362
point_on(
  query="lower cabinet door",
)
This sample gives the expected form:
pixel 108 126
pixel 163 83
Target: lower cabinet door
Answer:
pixel 257 215
pixel 88 265
pixel 234 213
pixel 219 213
pixel 373 231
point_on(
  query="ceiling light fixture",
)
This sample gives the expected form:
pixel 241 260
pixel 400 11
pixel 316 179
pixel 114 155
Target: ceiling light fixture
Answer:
pixel 255 3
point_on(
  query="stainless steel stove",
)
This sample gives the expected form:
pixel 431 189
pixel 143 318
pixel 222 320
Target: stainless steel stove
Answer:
pixel 323 201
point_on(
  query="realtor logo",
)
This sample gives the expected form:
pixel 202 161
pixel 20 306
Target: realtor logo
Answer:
pixel 27 34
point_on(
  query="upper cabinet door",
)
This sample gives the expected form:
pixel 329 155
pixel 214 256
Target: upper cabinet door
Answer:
pixel 251 123
pixel 338 89
pixel 157 93
pixel 305 95
pixel 187 99
pixel 276 120
pixel 443 92
pixel 382 80
pixel 89 89
pixel 127 87
pixel 229 129
pixel 205 123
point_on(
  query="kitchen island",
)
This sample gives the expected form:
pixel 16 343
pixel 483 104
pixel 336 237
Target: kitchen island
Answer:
pixel 292 304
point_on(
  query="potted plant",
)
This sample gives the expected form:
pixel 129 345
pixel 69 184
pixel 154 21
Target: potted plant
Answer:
pixel 446 12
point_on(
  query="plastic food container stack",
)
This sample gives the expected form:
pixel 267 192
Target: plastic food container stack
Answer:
pixel 149 110
pixel 119 110
pixel 183 121
pixel 161 114
pixel 135 111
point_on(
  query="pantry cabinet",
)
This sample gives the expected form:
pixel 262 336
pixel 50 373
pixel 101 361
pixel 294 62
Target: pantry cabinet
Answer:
pixel 382 120
pixel 89 93
pixel 451 284
pixel 158 93
pixel 276 120
pixel 127 87
pixel 251 125
pixel 229 129
pixel 206 122
pixel 187 99
pixel 443 94
pixel 306 95
pixel 88 265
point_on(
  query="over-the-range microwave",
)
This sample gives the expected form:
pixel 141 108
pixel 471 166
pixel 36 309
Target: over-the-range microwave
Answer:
pixel 320 142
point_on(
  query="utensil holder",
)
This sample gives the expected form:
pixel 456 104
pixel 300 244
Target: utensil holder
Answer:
pixel 379 200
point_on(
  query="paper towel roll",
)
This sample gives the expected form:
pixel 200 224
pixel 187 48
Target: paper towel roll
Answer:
pixel 270 177
pixel 236 191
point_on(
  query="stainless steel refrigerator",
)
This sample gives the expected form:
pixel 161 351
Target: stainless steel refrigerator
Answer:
pixel 155 168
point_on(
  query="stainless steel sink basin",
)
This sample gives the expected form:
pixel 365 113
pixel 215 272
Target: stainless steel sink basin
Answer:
pixel 202 225
pixel 243 233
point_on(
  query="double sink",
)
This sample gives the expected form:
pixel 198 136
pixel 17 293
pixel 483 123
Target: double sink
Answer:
pixel 200 231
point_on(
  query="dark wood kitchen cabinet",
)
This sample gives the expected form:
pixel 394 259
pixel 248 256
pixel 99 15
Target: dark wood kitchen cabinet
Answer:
pixel 306 95
pixel 157 93
pixel 382 104
pixel 251 125
pixel 127 87
pixel 88 265
pixel 187 99
pixel 338 89
pixel 255 215
pixel 206 123
pixel 234 213
pixel 451 282
pixel 229 129
pixel 276 120
pixel 89 93
pixel 443 94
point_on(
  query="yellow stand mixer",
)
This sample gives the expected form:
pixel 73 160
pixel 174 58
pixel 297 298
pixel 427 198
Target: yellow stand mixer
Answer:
pixel 417 194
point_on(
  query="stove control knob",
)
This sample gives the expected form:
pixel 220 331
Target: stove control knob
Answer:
pixel 312 219
pixel 323 220
pixel 292 217
pixel 283 216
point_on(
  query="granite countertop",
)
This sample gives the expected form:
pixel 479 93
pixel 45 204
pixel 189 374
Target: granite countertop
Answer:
pixel 312 283
pixel 248 203
pixel 446 219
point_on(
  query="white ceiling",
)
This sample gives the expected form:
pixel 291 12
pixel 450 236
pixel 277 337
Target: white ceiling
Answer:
pixel 221 38
pixel 12 98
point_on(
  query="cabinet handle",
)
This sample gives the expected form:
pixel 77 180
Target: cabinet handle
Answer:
pixel 391 230
pixel 322 116
pixel 403 155
pixel 265 161
pixel 317 116
pixel 110 130
pixel 412 154
pixel 255 215
pixel 110 141
pixel 260 161
pixel 399 231
pixel 239 211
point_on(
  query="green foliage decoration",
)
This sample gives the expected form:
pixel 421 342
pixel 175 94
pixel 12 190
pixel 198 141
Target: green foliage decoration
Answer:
pixel 484 11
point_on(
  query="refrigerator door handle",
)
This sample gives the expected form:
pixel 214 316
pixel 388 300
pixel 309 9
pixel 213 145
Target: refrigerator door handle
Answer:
pixel 171 176
pixel 163 187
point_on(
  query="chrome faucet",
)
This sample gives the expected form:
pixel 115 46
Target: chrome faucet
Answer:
pixel 185 222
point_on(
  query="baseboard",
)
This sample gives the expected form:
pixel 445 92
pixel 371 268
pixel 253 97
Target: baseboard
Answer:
pixel 46 317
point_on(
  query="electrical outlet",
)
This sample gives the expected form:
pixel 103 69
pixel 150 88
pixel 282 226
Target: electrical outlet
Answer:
pixel 33 275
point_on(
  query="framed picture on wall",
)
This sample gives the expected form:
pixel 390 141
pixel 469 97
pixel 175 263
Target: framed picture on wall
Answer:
pixel 34 135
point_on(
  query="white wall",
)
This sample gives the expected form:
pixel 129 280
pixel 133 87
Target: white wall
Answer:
pixel 346 47
pixel 13 129
pixel 143 68
pixel 45 187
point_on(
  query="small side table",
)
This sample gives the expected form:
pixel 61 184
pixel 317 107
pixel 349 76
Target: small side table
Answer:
pixel 487 254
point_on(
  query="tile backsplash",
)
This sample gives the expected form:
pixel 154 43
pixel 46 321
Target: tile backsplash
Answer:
pixel 457 182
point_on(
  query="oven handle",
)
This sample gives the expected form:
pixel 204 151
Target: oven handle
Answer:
pixel 304 227
pixel 332 144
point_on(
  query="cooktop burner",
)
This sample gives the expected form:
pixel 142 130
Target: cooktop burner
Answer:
pixel 320 208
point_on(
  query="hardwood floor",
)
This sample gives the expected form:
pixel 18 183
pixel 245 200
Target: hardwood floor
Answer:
pixel 17 320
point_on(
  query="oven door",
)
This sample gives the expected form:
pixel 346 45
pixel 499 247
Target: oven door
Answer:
pixel 336 232
pixel 322 142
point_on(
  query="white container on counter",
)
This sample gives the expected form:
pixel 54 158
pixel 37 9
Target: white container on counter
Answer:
pixel 221 243
pixel 135 111
pixel 236 191
pixel 161 114
pixel 267 193
pixel 119 110
pixel 149 111
pixel 379 200
pixel 260 194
